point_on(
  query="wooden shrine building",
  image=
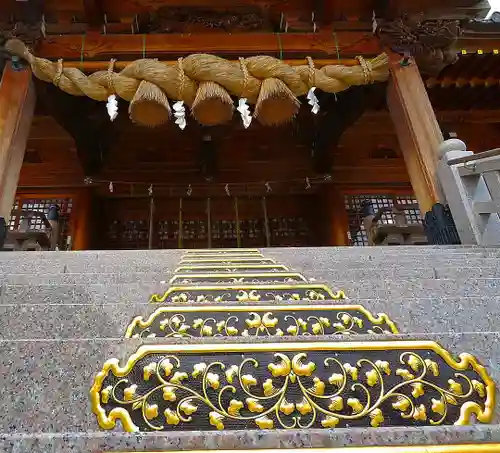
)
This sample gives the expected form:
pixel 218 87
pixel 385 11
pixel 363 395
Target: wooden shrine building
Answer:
pixel 390 78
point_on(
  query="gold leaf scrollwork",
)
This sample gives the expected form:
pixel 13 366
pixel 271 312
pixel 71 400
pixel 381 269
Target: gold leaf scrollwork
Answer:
pixel 187 407
pixel 234 408
pixel 216 420
pixel 259 321
pixel 377 418
pixel 326 388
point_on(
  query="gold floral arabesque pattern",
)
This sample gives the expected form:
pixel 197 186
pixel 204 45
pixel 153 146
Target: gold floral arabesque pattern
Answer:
pixel 248 277
pixel 222 252
pixel 296 385
pixel 284 320
pixel 223 255
pixel 189 261
pixel 232 268
pixel 247 293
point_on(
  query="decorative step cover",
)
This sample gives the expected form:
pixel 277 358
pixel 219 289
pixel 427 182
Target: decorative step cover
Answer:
pixel 231 268
pixel 246 284
pixel 229 260
pixel 247 277
pixel 291 385
pixel 246 293
pixel 259 320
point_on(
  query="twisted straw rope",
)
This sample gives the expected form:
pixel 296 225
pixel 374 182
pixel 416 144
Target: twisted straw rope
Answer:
pixel 180 82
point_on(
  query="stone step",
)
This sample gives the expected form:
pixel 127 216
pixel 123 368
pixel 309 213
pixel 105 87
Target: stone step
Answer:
pixel 90 293
pixel 306 263
pixel 290 440
pixel 375 271
pixel 110 320
pixel 46 384
pixel 364 253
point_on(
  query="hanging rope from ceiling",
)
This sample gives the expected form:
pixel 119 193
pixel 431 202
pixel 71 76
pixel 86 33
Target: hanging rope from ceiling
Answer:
pixel 205 83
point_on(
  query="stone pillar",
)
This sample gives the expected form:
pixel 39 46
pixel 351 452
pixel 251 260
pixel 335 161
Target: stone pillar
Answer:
pixel 417 129
pixel 17 104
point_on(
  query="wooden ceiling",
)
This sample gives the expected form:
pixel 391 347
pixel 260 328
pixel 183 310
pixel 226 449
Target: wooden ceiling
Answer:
pixel 95 12
pixel 192 16
pixel 465 95
pixel 367 155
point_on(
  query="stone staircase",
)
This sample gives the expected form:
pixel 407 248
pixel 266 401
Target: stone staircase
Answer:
pixel 247 349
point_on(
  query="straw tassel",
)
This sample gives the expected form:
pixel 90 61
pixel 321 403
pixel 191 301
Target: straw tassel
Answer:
pixel 276 103
pixel 212 105
pixel 149 105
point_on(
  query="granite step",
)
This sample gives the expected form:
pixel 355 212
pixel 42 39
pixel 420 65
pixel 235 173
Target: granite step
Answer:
pixel 298 441
pixel 110 320
pixel 321 253
pixel 355 271
pixel 89 292
pixel 150 261
pixel 45 383
pixel 492 266
pixel 165 265
pixel 373 272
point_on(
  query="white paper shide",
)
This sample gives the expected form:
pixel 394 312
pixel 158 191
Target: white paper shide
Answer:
pixel 244 110
pixel 112 107
pixel 312 100
pixel 180 114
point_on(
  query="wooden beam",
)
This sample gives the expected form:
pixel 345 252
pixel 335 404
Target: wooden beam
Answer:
pixel 417 129
pixel 70 47
pixel 91 66
pixel 350 44
pixel 52 175
pixel 93 13
pixel 471 42
pixel 17 104
pixel 444 9
pixel 375 119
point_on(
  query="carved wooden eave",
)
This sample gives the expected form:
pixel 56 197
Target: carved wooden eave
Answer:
pixel 430 32
pixel 191 20
pixel 31 34
pixel 432 43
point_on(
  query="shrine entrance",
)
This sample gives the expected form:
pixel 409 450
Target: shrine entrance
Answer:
pixel 196 222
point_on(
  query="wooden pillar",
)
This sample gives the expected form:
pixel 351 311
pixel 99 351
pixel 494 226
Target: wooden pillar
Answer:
pixel 17 104
pixel 338 225
pixel 82 224
pixel 417 129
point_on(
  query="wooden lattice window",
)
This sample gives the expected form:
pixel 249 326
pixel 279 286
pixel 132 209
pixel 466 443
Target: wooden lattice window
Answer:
pixel 43 205
pixel 128 234
pixel 353 205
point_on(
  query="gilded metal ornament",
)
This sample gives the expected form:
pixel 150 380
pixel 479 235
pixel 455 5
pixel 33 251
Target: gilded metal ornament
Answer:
pixel 259 321
pixel 250 277
pixel 221 251
pixel 231 268
pixel 189 261
pixel 298 385
pixel 247 293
